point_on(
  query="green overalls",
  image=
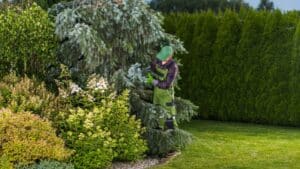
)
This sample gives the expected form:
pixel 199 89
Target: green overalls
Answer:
pixel 164 97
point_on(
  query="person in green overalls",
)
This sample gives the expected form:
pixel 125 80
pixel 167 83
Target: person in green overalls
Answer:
pixel 163 74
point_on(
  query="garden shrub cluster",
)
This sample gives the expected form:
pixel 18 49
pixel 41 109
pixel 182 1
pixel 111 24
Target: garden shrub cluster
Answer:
pixel 118 40
pixel 25 137
pixel 241 66
pixel 91 111
pixel 94 122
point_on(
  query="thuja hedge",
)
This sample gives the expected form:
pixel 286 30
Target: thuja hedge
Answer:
pixel 241 66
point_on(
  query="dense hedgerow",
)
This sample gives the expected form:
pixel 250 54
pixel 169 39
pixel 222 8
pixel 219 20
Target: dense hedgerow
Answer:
pixel 241 66
pixel 25 137
pixel 191 6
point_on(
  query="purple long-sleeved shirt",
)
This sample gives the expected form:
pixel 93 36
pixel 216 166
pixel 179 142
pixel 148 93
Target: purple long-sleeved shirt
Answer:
pixel 172 72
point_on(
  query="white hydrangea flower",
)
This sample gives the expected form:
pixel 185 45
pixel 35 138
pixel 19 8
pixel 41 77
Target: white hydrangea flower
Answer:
pixel 75 88
pixel 102 84
pixel 96 83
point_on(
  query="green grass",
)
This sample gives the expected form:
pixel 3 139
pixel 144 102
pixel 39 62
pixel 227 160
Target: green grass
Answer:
pixel 220 145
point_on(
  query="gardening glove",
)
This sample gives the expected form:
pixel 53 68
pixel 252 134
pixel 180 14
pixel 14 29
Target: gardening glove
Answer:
pixel 155 82
pixel 149 79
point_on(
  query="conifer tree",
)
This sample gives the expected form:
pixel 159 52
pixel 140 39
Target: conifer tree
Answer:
pixel 294 106
pixel 224 80
pixel 250 66
pixel 266 5
pixel 269 67
pixel 193 24
pixel 197 5
pixel 199 85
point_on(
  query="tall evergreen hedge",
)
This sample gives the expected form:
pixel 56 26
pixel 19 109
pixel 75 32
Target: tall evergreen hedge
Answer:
pixel 241 66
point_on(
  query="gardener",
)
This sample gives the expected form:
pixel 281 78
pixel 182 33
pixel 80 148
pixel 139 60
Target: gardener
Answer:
pixel 164 71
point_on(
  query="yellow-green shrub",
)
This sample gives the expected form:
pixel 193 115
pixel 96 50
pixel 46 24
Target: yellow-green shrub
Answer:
pixel 25 137
pixel 25 94
pixel 99 126
pixel 5 163
pixel 125 129
pixel 92 142
pixel 28 42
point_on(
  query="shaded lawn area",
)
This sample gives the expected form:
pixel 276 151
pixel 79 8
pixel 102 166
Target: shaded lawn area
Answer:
pixel 219 145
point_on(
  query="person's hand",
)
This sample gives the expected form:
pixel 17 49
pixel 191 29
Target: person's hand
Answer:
pixel 155 82
pixel 149 79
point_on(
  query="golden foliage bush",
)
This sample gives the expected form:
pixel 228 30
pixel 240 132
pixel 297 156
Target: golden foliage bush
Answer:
pixel 25 94
pixel 25 137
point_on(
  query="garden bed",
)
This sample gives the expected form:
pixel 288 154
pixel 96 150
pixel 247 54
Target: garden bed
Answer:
pixel 146 163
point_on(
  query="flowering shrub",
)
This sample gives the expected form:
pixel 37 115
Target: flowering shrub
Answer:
pixel 25 137
pixel 125 129
pixel 85 134
pixel 25 94
pixel 98 125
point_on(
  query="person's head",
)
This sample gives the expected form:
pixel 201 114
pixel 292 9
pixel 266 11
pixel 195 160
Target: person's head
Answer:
pixel 165 54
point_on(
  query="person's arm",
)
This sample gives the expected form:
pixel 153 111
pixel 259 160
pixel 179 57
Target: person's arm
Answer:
pixel 154 71
pixel 172 73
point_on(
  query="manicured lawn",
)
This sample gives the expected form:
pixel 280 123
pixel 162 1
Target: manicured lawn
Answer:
pixel 238 146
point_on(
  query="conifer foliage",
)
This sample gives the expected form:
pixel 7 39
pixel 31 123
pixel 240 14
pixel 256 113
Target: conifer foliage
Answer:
pixel 241 66
pixel 113 33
